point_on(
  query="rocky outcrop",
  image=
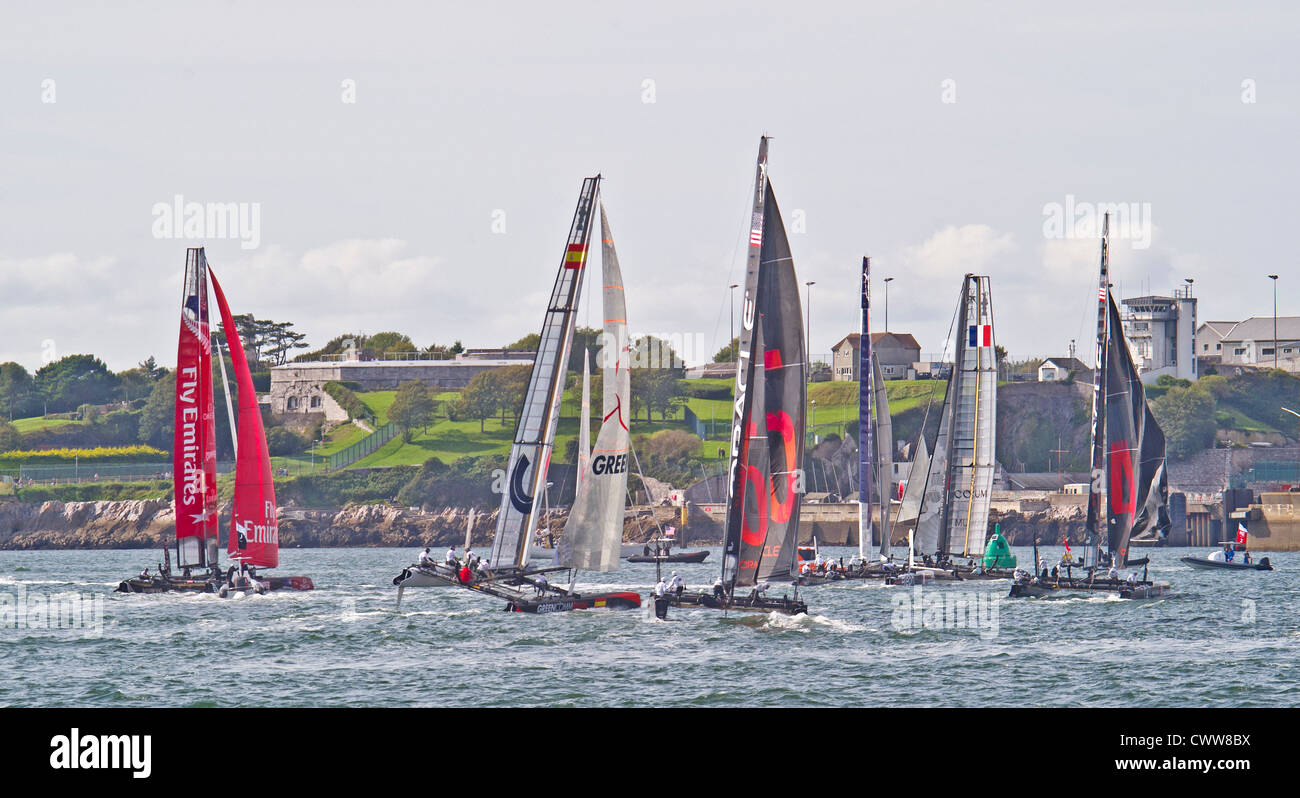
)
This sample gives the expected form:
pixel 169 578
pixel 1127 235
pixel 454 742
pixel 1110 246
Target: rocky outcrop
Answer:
pixel 86 525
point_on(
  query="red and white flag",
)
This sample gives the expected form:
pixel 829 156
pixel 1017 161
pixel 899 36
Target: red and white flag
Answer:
pixel 1241 533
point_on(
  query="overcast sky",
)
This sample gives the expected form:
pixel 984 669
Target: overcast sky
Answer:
pixel 932 137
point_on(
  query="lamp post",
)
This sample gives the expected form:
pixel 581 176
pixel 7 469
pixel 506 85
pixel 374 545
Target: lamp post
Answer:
pixel 888 280
pixel 736 352
pixel 807 342
pixel 1273 277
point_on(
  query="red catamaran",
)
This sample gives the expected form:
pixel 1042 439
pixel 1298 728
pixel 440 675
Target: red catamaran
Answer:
pixel 254 535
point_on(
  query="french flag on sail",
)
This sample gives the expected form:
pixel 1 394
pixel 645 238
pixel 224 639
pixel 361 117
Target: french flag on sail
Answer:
pixel 981 335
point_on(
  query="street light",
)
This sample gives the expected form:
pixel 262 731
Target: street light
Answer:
pixel 1273 277
pixel 735 353
pixel 807 343
pixel 888 280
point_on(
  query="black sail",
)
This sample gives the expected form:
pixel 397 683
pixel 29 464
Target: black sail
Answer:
pixel 1137 486
pixel 784 385
pixel 768 421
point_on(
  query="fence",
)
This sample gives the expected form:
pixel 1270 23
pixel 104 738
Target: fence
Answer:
pixel 362 448
pixel 95 472
pixel 1276 471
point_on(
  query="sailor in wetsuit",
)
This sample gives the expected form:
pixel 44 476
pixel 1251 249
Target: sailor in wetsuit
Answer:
pixel 426 559
pixel 661 588
pixel 720 592
pixel 450 559
pixel 542 584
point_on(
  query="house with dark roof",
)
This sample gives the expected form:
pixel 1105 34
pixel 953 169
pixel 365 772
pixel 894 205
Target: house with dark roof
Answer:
pixel 895 351
pixel 1056 369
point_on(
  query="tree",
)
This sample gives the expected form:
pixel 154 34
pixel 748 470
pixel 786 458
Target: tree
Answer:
pixel 481 398
pixel 727 354
pixel 514 384
pixel 656 370
pixel 17 391
pixel 282 442
pixel 412 407
pixel 1187 416
pixel 138 382
pixel 75 380
pixel 158 417
pixel 528 343
pixel 9 437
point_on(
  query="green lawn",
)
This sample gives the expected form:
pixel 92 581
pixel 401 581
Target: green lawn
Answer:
pixel 39 422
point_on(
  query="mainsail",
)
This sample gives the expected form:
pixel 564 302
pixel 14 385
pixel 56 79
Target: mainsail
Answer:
pixel 1128 451
pixel 768 421
pixel 194 450
pixel 530 457
pixel 584 422
pixel 884 459
pixel 254 533
pixel 866 449
pixel 875 455
pixel 959 485
pixel 594 533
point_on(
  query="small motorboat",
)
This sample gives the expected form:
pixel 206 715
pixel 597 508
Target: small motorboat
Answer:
pixel 1219 558
pixel 676 556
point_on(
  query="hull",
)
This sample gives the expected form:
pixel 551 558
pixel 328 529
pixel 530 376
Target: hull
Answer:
pixel 138 584
pixel 686 556
pixel 267 584
pixel 591 601
pixel 1141 590
pixel 425 576
pixel 706 601
pixel 1201 562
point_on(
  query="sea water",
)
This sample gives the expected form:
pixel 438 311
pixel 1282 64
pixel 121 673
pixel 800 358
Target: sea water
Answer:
pixel 1221 639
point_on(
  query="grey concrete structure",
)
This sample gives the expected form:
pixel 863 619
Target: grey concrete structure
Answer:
pixel 1161 333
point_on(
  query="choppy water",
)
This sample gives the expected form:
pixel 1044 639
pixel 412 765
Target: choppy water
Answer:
pixel 1224 639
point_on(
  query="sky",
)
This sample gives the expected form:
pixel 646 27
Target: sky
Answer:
pixel 414 166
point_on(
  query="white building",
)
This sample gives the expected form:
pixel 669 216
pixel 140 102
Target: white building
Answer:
pixel 1250 343
pixel 1055 369
pixel 1161 333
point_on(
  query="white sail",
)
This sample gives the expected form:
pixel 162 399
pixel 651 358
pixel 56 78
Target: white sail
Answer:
pixel 594 532
pixel 911 506
pixel 884 452
pixel 932 487
pixel 974 424
pixel 584 422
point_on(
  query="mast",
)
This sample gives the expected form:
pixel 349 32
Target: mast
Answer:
pixel 530 456
pixel 194 450
pixel 1097 464
pixel 584 423
pixel 254 531
pixel 866 382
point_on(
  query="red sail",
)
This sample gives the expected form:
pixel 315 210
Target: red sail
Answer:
pixel 254 534
pixel 194 448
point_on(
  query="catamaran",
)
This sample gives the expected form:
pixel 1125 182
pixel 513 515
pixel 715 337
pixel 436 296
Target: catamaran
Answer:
pixel 767 432
pixel 1128 466
pixel 254 537
pixel 957 483
pixel 593 535
pixel 875 465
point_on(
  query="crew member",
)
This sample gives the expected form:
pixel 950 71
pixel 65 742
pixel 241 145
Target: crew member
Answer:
pixel 720 592
pixel 542 584
pixel 450 559
pixel 425 558
pixel 676 585
pixel 661 588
